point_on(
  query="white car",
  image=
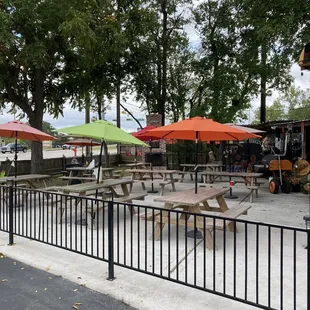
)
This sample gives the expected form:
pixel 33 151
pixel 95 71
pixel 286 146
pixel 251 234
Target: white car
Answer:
pixel 66 147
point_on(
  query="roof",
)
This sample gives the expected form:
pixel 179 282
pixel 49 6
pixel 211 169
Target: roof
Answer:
pixel 280 123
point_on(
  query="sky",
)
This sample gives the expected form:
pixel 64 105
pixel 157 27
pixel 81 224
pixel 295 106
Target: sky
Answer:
pixel 74 117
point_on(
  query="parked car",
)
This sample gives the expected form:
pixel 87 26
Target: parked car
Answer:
pixel 66 147
pixel 11 148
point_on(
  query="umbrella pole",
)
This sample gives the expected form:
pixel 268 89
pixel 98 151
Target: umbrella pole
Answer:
pixel 195 233
pixel 100 161
pixel 196 163
pixel 15 157
pixel 231 183
pixel 135 154
pixel 152 191
pixel 91 149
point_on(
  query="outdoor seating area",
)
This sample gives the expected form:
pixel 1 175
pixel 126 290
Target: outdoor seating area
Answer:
pixel 145 210
pixel 155 222
pixel 166 140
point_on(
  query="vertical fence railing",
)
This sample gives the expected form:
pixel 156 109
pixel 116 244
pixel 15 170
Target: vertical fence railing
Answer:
pixel 75 223
pixel 259 264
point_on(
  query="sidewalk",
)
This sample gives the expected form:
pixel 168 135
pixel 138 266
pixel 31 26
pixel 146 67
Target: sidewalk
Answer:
pixel 24 287
pixel 133 288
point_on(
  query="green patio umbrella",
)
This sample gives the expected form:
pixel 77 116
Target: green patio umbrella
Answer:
pixel 102 130
pixel 105 131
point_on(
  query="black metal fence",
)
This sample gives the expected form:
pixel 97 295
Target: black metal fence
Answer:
pixel 259 264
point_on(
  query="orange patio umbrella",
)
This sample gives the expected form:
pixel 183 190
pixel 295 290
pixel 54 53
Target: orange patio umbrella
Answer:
pixel 19 130
pixel 199 129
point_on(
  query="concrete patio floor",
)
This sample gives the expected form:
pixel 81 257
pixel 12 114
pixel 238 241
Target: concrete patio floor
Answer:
pixel 147 292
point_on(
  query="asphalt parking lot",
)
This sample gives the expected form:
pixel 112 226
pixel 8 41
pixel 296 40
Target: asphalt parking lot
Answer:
pixel 23 287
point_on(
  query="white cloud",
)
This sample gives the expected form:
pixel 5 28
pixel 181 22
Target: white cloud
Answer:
pixel 74 117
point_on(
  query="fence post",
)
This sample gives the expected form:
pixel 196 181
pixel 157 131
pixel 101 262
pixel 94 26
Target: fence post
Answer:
pixel 308 269
pixel 111 240
pixel 11 213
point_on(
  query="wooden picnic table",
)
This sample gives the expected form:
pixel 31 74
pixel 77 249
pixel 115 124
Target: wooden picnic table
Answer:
pixel 90 188
pixel 27 178
pixel 196 203
pixel 249 179
pixel 137 165
pixel 190 168
pixel 81 171
pixel 166 176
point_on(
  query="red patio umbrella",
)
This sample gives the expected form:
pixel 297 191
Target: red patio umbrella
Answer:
pixel 141 134
pixel 19 130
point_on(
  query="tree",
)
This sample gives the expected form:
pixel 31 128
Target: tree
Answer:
pixel 225 85
pixel 293 104
pixel 297 102
pixel 48 128
pixel 181 80
pixel 37 60
pixel 275 112
pixel 154 55
pixel 276 31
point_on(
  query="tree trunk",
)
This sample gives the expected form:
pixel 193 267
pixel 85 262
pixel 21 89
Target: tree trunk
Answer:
pixel 263 82
pixel 87 121
pixel 164 61
pixel 99 102
pixel 159 79
pixel 36 121
pixel 118 101
pixel 118 72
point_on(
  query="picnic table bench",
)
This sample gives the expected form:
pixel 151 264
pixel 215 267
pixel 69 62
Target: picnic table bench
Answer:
pixel 250 179
pixel 78 178
pixel 190 169
pixel 167 177
pixel 198 204
pixel 27 179
pixel 105 188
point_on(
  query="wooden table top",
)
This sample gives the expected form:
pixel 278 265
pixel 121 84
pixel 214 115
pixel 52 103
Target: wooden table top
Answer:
pixel 189 198
pixel 201 165
pixel 233 174
pixel 79 169
pixel 25 177
pixel 89 169
pixel 106 169
pixel 84 187
pixel 135 164
pixel 152 171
